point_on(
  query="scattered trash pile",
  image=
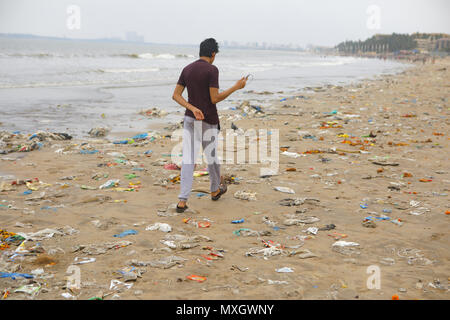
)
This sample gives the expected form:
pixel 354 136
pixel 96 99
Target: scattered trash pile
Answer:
pixel 16 142
pixel 153 113
pixel 362 181
pixel 246 110
pixel 99 132
pixel 32 262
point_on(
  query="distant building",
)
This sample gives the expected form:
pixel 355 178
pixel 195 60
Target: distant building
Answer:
pixel 432 42
pixel 443 44
pixel 133 36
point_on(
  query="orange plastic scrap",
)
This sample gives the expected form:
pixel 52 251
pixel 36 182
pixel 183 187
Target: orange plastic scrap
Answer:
pixel 338 236
pixel 111 164
pixel 424 141
pixel 3 236
pixel 438 134
pixel 265 244
pixel 314 151
pixel 270 243
pixel 216 254
pixel 203 224
pixel 5 294
pixel 395 297
pixel 347 141
pixel 330 125
pixel 447 212
pixel 176 179
pixel 358 142
pixel 120 246
pixel 186 220
pixel 425 180
pixel 407 175
pixel 400 144
pixel 194 277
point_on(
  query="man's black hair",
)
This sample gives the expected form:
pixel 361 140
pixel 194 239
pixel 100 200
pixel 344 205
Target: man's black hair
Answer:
pixel 208 46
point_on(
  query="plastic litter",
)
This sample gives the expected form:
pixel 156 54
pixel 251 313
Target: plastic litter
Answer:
pixel 284 189
pixel 110 184
pixel 29 289
pixel 164 227
pixel 126 233
pixel 284 270
pixel 245 195
pixel 194 277
pixel 14 275
pixel 84 260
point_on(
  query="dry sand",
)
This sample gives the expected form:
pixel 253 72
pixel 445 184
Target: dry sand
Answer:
pixel 408 113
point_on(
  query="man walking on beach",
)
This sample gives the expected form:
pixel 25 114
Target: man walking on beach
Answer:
pixel 201 121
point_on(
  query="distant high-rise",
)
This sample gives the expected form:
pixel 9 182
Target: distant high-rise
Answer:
pixel 133 36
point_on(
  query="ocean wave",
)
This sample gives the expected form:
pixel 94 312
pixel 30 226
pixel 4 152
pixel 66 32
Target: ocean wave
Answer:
pixel 148 55
pixel 70 83
pixel 28 55
pixel 128 70
pixel 255 65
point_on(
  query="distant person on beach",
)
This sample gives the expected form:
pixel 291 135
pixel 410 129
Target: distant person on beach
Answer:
pixel 201 121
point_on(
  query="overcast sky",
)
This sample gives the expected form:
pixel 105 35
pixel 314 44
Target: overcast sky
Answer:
pixel 320 22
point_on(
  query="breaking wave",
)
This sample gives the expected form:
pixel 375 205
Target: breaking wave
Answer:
pixel 129 70
pixel 147 55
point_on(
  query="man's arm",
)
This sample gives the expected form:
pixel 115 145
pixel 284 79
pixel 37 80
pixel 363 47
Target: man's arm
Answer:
pixel 216 97
pixel 178 97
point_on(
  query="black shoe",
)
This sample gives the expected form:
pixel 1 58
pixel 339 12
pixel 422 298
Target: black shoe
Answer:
pixel 222 189
pixel 181 209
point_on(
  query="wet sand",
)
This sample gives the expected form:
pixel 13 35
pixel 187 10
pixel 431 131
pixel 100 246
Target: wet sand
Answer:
pixel 408 113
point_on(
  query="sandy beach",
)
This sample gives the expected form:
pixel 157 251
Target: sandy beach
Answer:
pixel 360 157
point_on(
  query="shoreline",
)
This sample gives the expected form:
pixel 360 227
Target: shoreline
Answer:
pixel 59 107
pixel 405 111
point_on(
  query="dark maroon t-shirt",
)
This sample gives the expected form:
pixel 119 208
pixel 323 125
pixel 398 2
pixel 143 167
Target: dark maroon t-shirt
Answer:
pixel 198 77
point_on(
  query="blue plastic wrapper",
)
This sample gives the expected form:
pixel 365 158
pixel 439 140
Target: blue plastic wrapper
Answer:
pixel 121 142
pixel 140 136
pixel 88 151
pixel 14 275
pixel 201 194
pixel 125 233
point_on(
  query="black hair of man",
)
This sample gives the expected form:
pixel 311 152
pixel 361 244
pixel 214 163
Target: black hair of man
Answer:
pixel 208 46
